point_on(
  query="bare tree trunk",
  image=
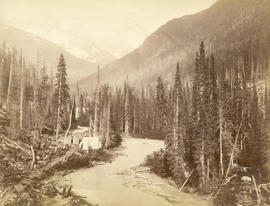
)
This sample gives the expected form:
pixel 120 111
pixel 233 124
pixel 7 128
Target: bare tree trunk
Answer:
pixel 202 160
pixel 33 158
pixel 134 122
pixel 234 146
pixel 21 98
pixel 1 68
pixel 177 118
pixel 107 143
pixel 186 180
pixel 126 115
pixel 90 126
pixel 208 170
pixel 70 119
pixel 10 78
pixel 220 143
pixel 257 191
pixel 96 120
pixel 58 124
pixel 96 113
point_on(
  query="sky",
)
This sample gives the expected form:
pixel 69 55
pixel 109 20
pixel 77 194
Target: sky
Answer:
pixel 113 26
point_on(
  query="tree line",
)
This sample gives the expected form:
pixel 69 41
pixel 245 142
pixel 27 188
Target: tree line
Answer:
pixel 218 124
pixel 209 125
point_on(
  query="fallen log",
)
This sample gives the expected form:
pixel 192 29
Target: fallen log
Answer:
pixel 24 150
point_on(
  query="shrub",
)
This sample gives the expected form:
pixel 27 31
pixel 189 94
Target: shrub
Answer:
pixel 115 140
pixel 235 193
pixel 158 163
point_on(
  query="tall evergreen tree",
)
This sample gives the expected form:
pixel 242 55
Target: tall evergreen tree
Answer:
pixel 61 94
pixel 179 167
pixel 199 112
pixel 161 106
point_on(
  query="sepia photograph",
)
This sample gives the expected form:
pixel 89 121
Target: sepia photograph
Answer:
pixel 134 102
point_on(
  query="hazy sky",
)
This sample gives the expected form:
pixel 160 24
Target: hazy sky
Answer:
pixel 117 26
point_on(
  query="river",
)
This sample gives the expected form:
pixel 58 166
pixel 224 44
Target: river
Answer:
pixel 125 183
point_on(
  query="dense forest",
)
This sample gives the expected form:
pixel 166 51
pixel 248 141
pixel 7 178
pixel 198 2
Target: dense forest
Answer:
pixel 213 126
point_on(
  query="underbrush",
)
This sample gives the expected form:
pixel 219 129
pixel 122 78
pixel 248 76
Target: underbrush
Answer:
pixel 236 190
pixel 235 193
pixel 158 163
pixel 115 141
pixel 80 159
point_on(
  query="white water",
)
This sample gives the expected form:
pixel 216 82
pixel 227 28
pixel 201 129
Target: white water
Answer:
pixel 122 183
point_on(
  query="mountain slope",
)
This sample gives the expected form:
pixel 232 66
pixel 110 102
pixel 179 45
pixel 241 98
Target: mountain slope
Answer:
pixel 33 46
pixel 226 28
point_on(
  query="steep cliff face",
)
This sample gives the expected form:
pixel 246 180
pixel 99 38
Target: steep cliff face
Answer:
pixel 228 28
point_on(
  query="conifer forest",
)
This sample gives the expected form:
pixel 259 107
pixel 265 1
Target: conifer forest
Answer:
pixel 181 120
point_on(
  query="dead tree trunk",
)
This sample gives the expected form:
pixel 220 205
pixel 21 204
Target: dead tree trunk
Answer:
pixel 33 158
pixel 107 143
pixel 10 78
pixel 70 119
pixel 220 143
pixel 234 146
pixel 186 180
pixel 202 161
pixel 96 115
pixel 21 98
pixel 59 108
pixel 127 114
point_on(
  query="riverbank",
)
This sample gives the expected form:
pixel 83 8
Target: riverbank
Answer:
pixel 124 182
pixel 40 185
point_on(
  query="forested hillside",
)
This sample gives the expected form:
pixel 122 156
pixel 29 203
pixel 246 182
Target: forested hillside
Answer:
pixel 228 28
pixel 200 84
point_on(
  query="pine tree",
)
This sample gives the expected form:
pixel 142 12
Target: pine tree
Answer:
pixel 179 167
pixel 61 94
pixel 42 99
pixel 160 112
pixel 21 90
pixel 97 107
pixel 213 121
pixel 128 110
pixel 255 138
pixel 199 112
